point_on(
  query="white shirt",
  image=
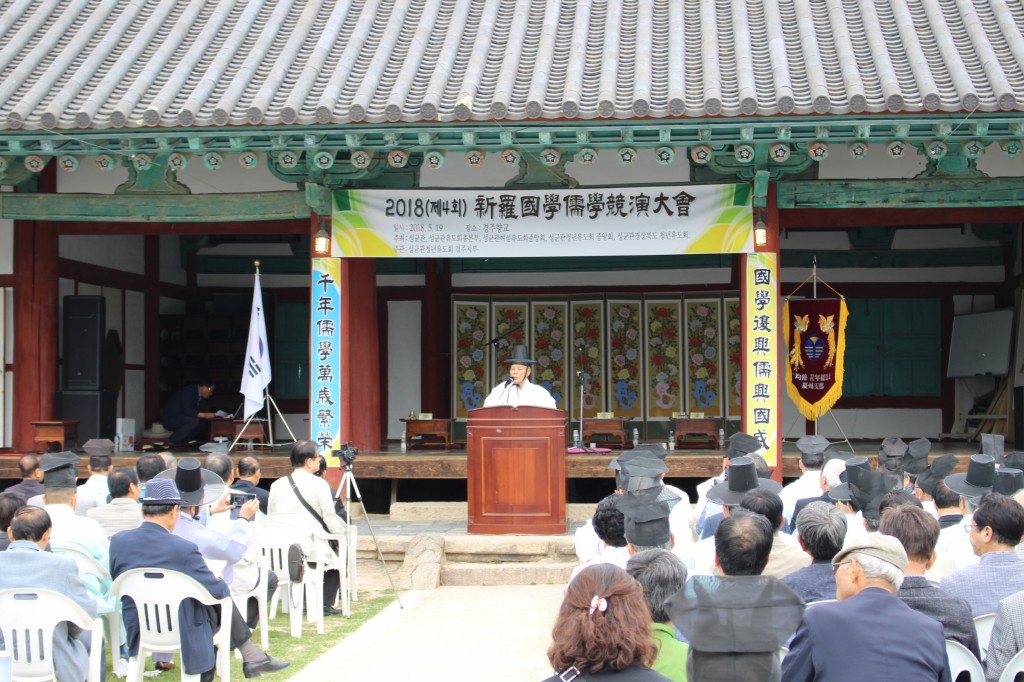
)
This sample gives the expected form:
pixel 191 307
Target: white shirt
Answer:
pixel 529 394
pixel 96 487
pixel 808 485
pixel 954 550
pixel 317 493
pixel 68 528
pixel 617 556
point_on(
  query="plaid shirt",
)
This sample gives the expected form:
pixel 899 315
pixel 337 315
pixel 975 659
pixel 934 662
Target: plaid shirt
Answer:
pixel 1007 635
pixel 997 575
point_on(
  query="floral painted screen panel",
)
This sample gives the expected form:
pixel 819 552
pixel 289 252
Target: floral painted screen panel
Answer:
pixel 471 379
pixel 509 323
pixel 587 356
pixel 664 374
pixel 734 353
pixel 550 344
pixel 625 358
pixel 704 356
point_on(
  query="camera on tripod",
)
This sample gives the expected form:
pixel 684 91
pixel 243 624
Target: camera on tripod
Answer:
pixel 347 453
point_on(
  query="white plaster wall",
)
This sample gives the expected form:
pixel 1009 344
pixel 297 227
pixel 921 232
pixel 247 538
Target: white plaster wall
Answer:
pixel 171 269
pixel 298 423
pixel 404 363
pixel 88 179
pixel 878 164
pixel 997 164
pixel 119 252
pixel 134 338
pixel 908 424
pixel 231 177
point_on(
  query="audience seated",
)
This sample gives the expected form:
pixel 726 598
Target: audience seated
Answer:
pixel 855 467
pixel 123 511
pixel 661 574
pixel 147 466
pixel 9 503
pixel 929 479
pixel 812 458
pixel 740 445
pixel 918 532
pixel 869 634
pixel 822 531
pixel 98 467
pixel 153 545
pixel 609 525
pixel 306 496
pixel 31 483
pixel 786 555
pixel 248 480
pixel 736 623
pixel 1007 635
pixel 995 531
pixel 831 476
pixel 25 564
pixel 603 628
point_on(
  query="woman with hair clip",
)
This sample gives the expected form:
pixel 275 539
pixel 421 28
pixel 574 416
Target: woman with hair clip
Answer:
pixel 603 630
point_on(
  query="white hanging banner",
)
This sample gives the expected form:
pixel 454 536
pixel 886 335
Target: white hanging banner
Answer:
pixel 635 221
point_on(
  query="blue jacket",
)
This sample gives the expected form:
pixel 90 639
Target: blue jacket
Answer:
pixel 185 403
pixel 151 546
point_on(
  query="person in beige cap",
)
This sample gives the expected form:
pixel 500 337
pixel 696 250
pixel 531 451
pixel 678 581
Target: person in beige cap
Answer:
pixel 846 640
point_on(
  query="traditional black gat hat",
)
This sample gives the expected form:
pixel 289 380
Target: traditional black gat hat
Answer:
pixel 977 480
pixel 836 452
pixel 812 445
pixel 890 455
pixel 741 480
pixel 642 472
pixel 520 356
pixel 1014 460
pixel 993 444
pixel 841 492
pixel 867 488
pixel 940 467
pixel 1008 481
pixel 915 461
pixel 59 470
pixel 742 444
pixel 646 518
pixel 197 486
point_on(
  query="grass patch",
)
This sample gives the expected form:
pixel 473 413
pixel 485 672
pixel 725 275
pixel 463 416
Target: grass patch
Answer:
pixel 300 652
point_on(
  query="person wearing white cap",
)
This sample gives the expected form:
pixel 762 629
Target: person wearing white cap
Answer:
pixel 846 640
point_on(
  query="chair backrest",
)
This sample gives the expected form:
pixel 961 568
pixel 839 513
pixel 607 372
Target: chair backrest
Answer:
pixel 1013 668
pixel 961 659
pixel 157 593
pixel 983 625
pixel 28 617
pixel 274 537
pixel 820 602
pixel 85 561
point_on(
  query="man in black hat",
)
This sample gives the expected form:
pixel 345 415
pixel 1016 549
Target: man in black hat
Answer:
pixel 996 529
pixel 740 445
pixel 831 476
pixel 841 495
pixel 646 518
pixel 517 389
pixel 808 486
pixel 845 641
pixel 933 474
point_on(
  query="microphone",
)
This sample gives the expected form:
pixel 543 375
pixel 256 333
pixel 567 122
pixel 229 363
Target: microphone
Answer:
pixel 508 381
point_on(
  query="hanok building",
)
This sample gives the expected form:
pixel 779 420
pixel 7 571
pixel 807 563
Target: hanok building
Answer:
pixel 149 152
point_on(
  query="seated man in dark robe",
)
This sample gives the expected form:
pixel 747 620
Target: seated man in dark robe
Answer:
pixel 185 413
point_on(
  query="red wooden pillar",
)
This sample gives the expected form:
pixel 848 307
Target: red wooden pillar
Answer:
pixel 151 296
pixel 36 328
pixel 360 354
pixel 434 338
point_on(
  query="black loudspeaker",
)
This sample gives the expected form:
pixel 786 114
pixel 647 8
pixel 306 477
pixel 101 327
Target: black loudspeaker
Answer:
pixel 85 320
pixel 95 411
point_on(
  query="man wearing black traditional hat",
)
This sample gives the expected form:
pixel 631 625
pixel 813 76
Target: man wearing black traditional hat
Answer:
pixel 517 390
pixel 831 476
pixel 954 547
pixel 98 468
pixel 812 457
pixel 740 445
pixel 996 529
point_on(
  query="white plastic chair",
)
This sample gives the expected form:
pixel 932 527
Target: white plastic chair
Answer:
pixel 158 593
pixel 983 625
pixel 1013 668
pixel 87 565
pixel 27 619
pixel 961 659
pixel 274 539
pixel 6 667
pixel 259 593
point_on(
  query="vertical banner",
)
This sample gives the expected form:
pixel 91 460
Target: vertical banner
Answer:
pixel 469 366
pixel 733 384
pixel 509 330
pixel 325 356
pixel 587 358
pixel 703 356
pixel 625 361
pixel 664 377
pixel 550 343
pixel 761 353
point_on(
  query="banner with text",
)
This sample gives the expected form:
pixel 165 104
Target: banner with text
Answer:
pixel 325 356
pixel 636 221
pixel 761 380
pixel 816 339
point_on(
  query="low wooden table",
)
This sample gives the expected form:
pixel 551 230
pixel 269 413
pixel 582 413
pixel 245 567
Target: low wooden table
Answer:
pixel 251 431
pixel 615 427
pixel 429 431
pixel 698 434
pixel 222 427
pixel 63 432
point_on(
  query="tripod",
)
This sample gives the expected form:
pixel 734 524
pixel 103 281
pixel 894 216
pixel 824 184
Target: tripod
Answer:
pixel 347 486
pixel 268 402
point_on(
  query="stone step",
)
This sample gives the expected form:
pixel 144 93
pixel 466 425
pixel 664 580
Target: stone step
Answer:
pixel 459 511
pixel 475 548
pixel 533 573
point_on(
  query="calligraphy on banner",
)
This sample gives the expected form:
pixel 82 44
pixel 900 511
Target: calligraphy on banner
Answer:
pixel 325 356
pixel 816 343
pixel 632 221
pixel 762 352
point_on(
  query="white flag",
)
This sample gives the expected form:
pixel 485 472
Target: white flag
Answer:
pixel 256 373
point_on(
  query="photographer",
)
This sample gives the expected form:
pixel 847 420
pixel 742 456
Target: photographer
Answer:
pixel 307 498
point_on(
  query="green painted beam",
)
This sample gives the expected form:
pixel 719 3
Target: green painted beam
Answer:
pixel 916 193
pixel 155 208
pixel 898 258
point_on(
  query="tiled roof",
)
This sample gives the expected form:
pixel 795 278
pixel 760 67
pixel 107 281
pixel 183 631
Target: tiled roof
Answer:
pixel 199 63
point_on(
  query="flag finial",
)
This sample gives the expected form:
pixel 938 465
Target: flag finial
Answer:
pixel 257 264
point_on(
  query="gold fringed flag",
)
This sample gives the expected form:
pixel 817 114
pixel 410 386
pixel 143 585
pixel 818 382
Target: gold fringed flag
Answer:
pixel 816 342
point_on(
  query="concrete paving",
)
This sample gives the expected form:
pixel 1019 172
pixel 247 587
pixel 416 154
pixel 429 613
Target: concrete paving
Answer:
pixel 498 634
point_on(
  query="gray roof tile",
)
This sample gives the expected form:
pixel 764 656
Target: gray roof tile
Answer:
pixel 199 63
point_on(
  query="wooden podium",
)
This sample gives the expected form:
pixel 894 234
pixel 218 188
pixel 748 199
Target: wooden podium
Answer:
pixel 515 470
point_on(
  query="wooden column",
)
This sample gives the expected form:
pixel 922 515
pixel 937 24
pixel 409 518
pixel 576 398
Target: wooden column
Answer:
pixel 151 325
pixel 360 355
pixel 435 330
